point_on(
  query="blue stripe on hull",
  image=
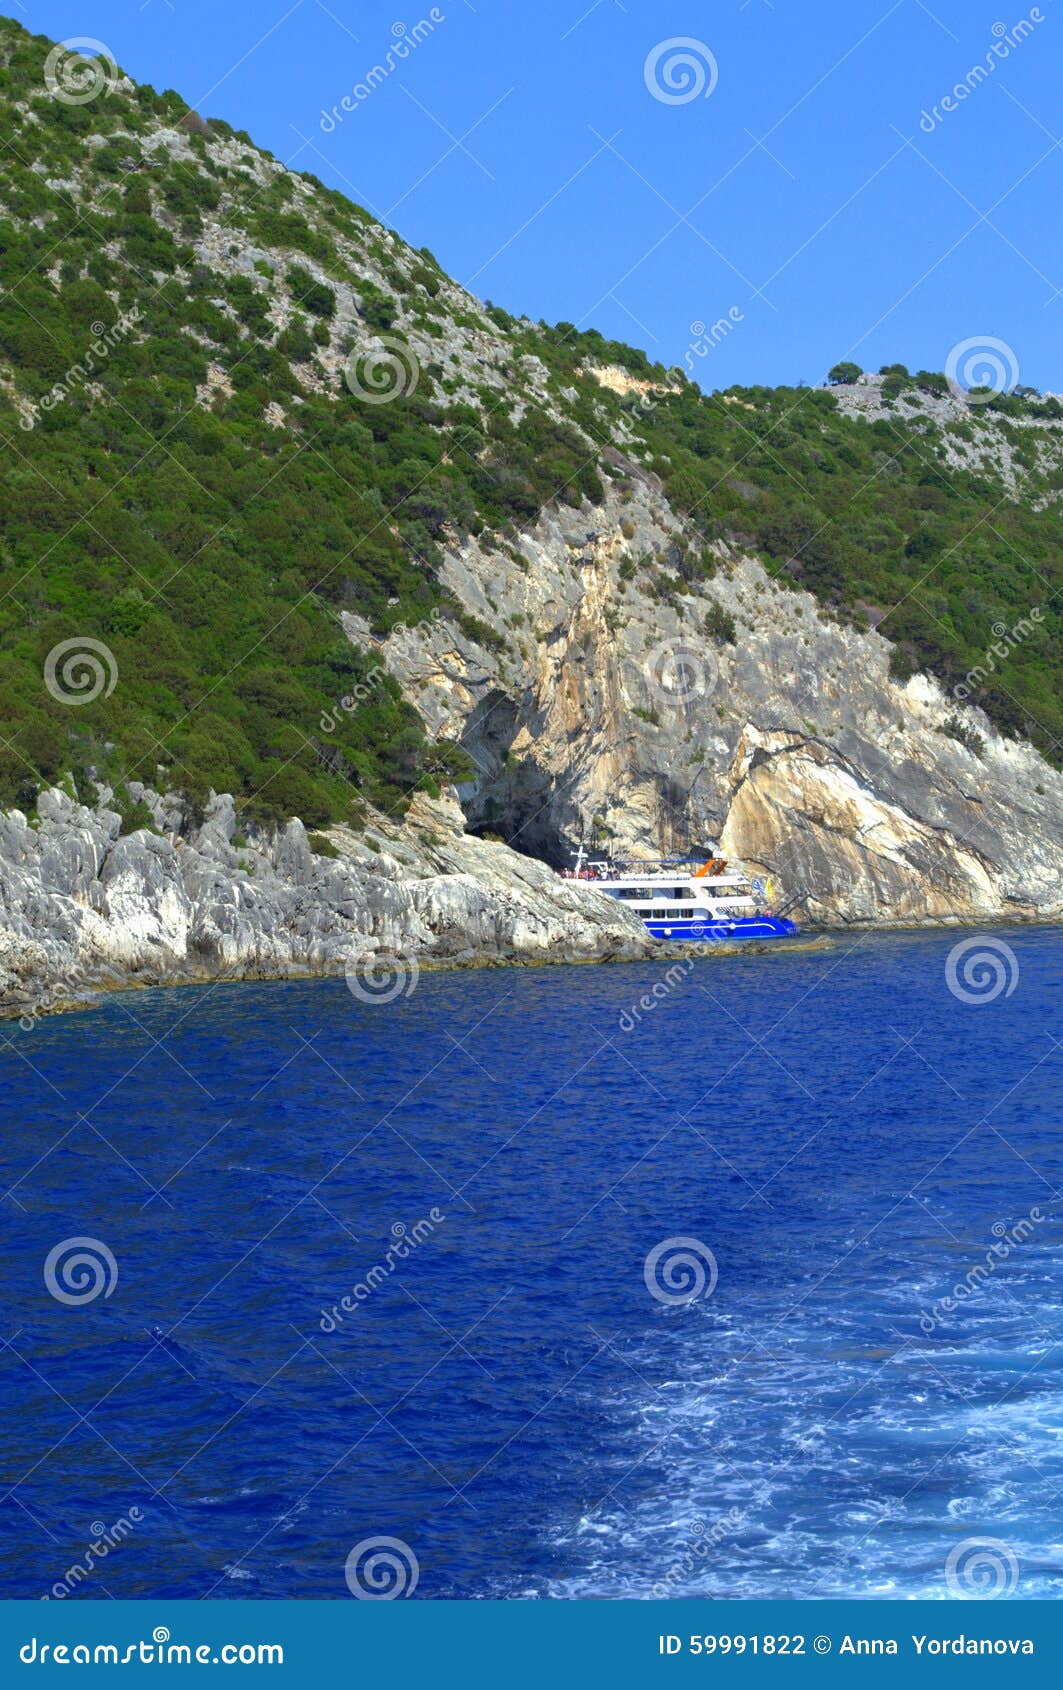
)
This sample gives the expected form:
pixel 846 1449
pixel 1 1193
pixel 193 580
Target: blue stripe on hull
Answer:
pixel 738 927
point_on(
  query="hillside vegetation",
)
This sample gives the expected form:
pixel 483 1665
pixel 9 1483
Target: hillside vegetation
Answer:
pixel 200 470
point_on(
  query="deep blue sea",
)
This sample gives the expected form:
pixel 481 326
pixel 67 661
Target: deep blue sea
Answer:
pixel 527 1394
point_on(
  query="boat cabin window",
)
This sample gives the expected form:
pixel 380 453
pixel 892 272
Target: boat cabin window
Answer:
pixel 652 892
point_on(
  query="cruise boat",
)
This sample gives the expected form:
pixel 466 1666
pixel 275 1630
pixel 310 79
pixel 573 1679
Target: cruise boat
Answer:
pixel 695 898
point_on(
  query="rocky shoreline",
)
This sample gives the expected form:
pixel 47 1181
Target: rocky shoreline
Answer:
pixel 86 909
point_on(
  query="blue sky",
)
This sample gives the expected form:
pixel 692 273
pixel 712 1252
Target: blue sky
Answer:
pixel 524 144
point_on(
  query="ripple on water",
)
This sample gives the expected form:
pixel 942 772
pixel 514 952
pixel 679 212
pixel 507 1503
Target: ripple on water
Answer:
pixel 510 1399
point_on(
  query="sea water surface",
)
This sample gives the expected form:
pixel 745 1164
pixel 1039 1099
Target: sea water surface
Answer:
pixel 518 1395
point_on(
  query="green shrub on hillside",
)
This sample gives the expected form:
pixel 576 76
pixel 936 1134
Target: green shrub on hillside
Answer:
pixel 151 506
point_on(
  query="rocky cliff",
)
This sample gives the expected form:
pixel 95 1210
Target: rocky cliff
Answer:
pixel 83 906
pixel 737 711
pixel 397 538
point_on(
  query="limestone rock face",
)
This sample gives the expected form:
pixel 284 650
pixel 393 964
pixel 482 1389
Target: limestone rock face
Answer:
pixel 844 847
pixel 609 693
pixel 81 907
pixel 611 703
